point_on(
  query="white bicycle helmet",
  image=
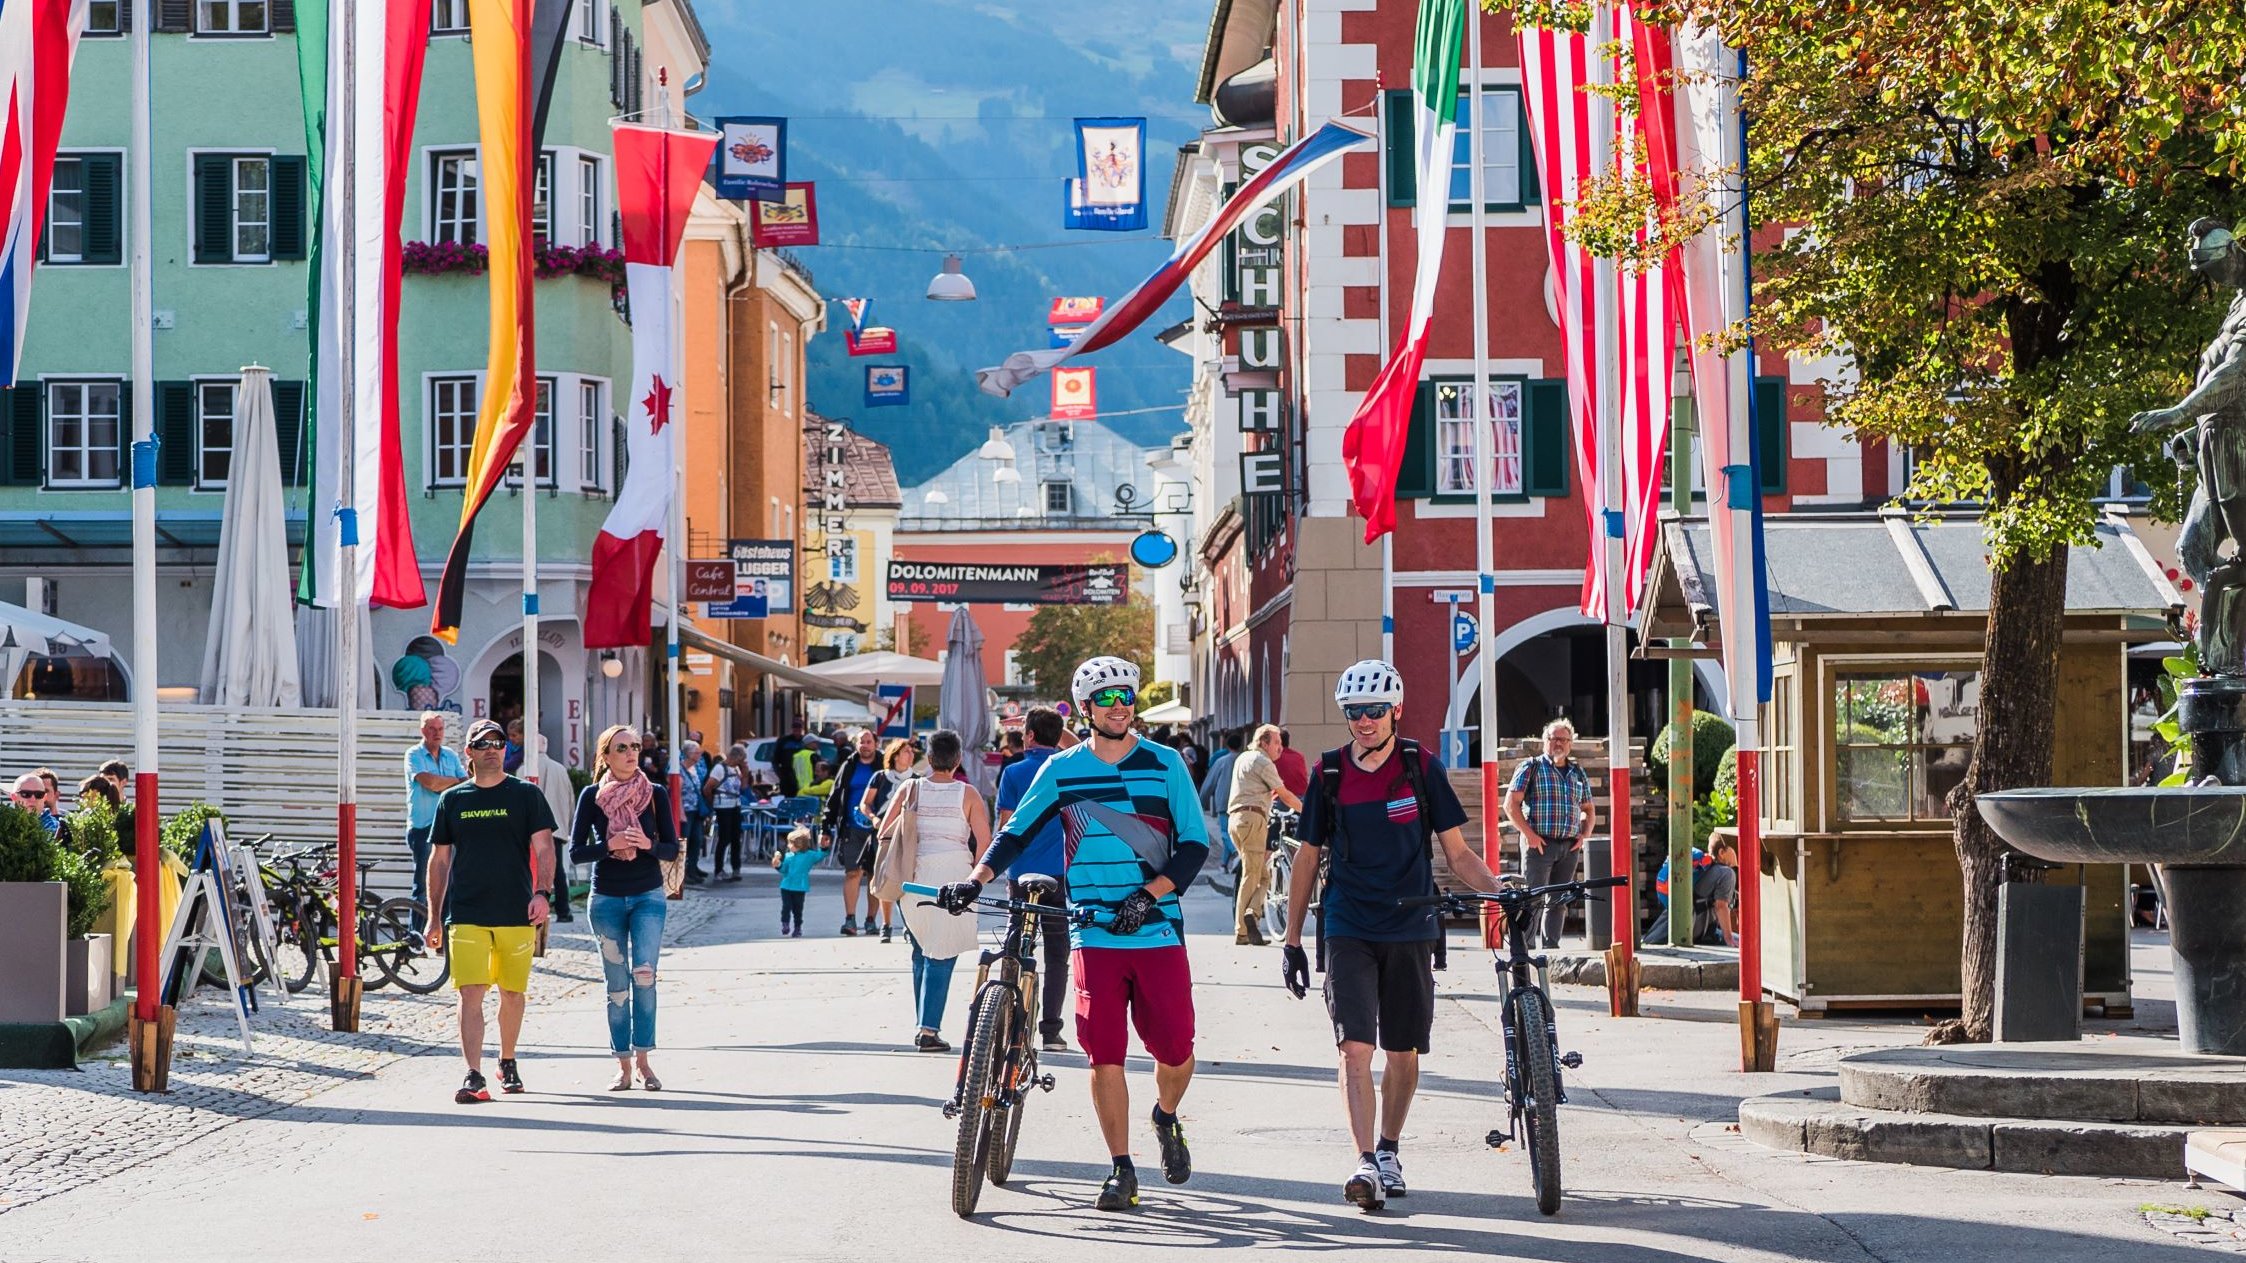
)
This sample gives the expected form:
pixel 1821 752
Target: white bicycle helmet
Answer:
pixel 1100 672
pixel 1369 681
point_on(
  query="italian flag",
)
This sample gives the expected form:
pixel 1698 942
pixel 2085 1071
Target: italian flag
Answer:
pixel 1373 446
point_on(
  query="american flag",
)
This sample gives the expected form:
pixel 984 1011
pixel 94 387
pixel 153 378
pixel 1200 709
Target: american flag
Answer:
pixel 1556 67
pixel 38 41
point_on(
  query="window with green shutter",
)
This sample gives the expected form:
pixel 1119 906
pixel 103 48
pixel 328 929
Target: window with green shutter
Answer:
pixel 288 207
pixel 1547 447
pixel 249 208
pixel 289 431
pixel 1416 479
pixel 175 434
pixel 1403 180
pixel 1771 432
pixel 25 457
pixel 1509 176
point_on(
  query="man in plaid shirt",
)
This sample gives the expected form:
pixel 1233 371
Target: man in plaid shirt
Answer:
pixel 1556 792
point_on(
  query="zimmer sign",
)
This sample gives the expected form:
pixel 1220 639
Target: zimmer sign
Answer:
pixel 971 583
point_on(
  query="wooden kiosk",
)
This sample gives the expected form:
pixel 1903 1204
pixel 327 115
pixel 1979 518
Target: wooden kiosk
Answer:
pixel 1876 627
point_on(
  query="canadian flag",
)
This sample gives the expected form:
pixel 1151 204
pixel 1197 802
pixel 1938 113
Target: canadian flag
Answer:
pixel 657 173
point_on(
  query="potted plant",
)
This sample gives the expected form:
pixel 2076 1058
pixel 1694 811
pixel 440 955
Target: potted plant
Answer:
pixel 89 956
pixel 34 909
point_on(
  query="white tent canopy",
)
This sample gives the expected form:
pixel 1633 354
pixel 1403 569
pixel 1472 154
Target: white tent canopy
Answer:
pixel 1168 713
pixel 880 667
pixel 27 634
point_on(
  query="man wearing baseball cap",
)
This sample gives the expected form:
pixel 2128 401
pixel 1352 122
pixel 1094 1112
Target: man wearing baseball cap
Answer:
pixel 493 835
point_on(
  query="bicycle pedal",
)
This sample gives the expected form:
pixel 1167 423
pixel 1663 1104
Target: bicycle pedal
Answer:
pixel 1573 1060
pixel 1498 1140
pixel 951 1109
pixel 1044 1081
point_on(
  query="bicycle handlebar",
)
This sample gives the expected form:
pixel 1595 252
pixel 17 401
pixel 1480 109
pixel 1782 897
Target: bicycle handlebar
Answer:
pixel 1076 915
pixel 1506 897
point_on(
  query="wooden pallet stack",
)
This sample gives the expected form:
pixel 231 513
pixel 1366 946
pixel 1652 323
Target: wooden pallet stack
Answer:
pixel 1645 807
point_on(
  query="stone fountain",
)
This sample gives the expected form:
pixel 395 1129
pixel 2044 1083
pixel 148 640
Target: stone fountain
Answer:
pixel 2196 832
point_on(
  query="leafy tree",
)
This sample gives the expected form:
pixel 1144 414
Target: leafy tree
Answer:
pixel 1061 637
pixel 1159 693
pixel 1990 197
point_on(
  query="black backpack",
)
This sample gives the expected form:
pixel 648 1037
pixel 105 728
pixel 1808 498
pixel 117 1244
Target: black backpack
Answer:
pixel 1329 802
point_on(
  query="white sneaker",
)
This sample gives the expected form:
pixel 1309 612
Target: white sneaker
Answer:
pixel 1391 1172
pixel 1363 1188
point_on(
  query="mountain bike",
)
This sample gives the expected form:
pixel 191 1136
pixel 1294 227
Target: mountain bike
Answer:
pixel 1534 1090
pixel 998 1062
pixel 305 921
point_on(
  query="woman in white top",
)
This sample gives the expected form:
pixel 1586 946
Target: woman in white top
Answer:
pixel 728 782
pixel 953 828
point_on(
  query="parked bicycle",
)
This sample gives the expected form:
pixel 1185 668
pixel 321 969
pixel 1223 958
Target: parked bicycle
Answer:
pixel 998 1062
pixel 1224 875
pixel 305 921
pixel 1534 1090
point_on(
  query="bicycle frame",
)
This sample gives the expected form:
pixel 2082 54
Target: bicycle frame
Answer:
pixel 1016 959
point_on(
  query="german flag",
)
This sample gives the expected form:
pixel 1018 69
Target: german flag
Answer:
pixel 499 35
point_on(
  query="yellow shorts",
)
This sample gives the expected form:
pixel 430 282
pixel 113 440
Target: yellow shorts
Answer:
pixel 486 954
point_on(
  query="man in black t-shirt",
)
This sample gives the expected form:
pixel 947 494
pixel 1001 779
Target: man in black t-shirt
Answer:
pixel 1375 814
pixel 492 853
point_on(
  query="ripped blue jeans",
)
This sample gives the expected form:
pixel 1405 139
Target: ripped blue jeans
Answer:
pixel 629 931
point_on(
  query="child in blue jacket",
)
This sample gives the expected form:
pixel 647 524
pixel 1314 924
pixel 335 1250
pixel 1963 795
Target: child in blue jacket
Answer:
pixel 795 865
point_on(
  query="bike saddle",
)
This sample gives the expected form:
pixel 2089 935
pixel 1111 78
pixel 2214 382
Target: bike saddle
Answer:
pixel 1039 888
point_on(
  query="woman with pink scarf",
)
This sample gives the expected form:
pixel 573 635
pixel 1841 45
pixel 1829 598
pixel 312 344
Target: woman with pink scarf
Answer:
pixel 623 828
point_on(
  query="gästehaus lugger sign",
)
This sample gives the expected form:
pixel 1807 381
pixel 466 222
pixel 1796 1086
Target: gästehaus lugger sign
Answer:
pixel 975 583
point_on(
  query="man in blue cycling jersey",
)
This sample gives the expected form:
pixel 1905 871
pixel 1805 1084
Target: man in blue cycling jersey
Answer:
pixel 1132 839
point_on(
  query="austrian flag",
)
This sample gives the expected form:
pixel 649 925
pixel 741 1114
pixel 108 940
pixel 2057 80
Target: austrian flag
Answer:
pixel 657 173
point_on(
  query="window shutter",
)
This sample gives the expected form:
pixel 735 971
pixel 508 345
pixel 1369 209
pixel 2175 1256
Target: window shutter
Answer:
pixel 619 54
pixel 104 204
pixel 124 17
pixel 1770 434
pixel 635 86
pixel 214 208
pixel 288 430
pixel 175 434
pixel 125 434
pixel 26 435
pixel 288 207
pixel 284 16
pixel 1546 454
pixel 617 443
pixel 1415 478
pixel 1531 188
pixel 1403 180
pixel 175 17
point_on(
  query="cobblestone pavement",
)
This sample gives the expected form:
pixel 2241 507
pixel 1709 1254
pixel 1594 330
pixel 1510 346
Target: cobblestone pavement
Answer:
pixel 68 1128
pixel 2223 1228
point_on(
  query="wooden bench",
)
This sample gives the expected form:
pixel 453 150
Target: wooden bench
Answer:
pixel 2217 1155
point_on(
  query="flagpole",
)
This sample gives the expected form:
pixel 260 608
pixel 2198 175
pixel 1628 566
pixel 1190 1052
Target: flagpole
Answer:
pixel 1437 202
pixel 675 567
pixel 151 1039
pixel 1388 538
pixel 1758 1022
pixel 1622 989
pixel 343 200
pixel 531 760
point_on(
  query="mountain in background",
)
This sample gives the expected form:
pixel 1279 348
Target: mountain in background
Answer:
pixel 944 125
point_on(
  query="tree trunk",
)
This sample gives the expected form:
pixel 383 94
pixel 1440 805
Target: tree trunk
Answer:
pixel 2012 747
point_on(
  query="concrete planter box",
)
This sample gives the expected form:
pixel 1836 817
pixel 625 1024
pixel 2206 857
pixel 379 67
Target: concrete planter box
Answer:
pixel 88 974
pixel 32 974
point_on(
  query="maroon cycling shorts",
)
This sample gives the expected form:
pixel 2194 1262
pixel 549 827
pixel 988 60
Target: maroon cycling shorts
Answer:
pixel 1154 985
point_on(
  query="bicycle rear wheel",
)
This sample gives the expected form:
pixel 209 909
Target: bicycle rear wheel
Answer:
pixel 299 946
pixel 1006 1129
pixel 402 956
pixel 1540 1113
pixel 978 1093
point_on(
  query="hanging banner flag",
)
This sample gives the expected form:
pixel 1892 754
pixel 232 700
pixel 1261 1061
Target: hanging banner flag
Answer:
pixel 657 174
pixel 1372 447
pixel 1119 320
pixel 752 160
pixel 1075 393
pixel 499 42
pixel 1066 335
pixel 391 36
pixel 792 221
pixel 1110 175
pixel 1073 216
pixel 549 34
pixel 38 44
pixel 885 386
pixel 1074 311
pixel 877 340
pixel 859 310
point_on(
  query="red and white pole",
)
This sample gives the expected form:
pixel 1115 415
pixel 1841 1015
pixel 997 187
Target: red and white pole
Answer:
pixel 151 1042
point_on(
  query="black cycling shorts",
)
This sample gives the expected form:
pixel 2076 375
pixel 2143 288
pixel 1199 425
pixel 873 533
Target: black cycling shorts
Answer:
pixel 1381 993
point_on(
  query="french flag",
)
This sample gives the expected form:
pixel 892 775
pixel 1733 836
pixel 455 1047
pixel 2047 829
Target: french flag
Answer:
pixel 1133 309
pixel 38 42
pixel 657 173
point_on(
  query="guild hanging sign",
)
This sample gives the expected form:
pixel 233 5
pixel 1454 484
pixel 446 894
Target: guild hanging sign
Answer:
pixel 1075 393
pixel 1109 191
pixel 752 158
pixel 886 386
pixel 792 221
pixel 1075 311
pixel 872 340
pixel 967 583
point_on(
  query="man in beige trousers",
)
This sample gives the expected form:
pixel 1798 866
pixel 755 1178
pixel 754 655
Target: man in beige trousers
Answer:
pixel 1255 782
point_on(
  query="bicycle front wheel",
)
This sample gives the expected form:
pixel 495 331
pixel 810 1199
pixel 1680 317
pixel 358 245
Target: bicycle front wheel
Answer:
pixel 402 956
pixel 978 1096
pixel 1540 1111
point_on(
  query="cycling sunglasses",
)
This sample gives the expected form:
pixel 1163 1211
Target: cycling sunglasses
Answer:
pixel 1115 695
pixel 1365 710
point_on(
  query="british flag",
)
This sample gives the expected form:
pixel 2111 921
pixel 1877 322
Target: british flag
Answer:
pixel 38 40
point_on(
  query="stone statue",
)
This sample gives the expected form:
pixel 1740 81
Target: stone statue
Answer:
pixel 2210 433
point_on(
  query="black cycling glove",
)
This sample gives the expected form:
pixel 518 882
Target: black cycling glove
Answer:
pixel 1296 969
pixel 1133 913
pixel 959 896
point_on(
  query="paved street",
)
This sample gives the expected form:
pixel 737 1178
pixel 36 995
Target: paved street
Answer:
pixel 796 1127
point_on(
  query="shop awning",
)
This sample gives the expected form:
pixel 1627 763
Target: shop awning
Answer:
pixel 796 677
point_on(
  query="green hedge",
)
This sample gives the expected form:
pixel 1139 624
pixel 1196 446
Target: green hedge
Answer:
pixel 1712 739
